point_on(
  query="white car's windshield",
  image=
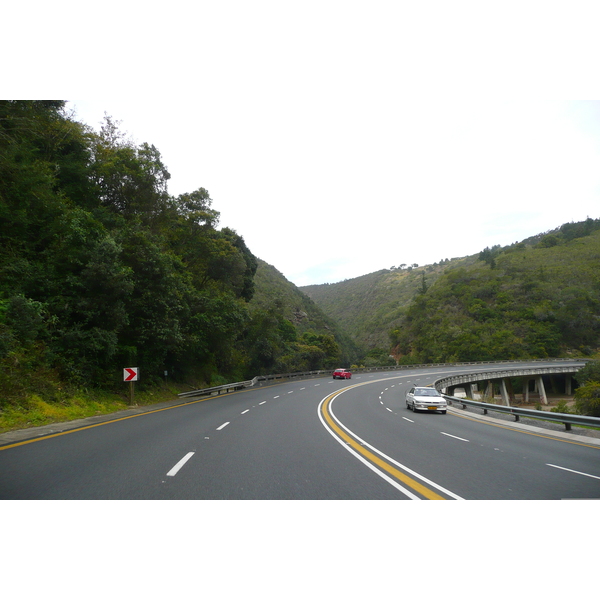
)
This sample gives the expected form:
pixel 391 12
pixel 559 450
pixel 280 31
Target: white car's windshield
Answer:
pixel 431 392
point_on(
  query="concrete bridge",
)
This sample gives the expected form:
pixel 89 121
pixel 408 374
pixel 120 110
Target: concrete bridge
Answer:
pixel 533 377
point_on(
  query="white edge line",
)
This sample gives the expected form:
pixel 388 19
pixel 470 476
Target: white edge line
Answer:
pixel 571 471
pixel 224 425
pixel 389 458
pixel 180 464
pixel 363 460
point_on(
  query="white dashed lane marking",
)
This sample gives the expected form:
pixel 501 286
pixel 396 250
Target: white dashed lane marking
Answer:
pixel 454 436
pixel 571 471
pixel 180 464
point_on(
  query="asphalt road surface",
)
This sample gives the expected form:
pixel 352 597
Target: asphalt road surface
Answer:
pixel 312 439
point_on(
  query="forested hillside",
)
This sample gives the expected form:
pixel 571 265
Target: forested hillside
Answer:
pixel 529 300
pixel 101 269
pixel 367 307
pixel 290 332
pixel 533 299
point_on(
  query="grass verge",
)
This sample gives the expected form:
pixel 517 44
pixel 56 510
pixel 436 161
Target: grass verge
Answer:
pixel 34 410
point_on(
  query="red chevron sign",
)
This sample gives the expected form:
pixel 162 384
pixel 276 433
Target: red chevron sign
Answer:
pixel 130 374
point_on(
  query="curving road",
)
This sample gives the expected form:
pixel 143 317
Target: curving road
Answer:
pixel 311 439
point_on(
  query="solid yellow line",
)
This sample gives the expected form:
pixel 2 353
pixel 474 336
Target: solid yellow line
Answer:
pixel 53 435
pixel 409 481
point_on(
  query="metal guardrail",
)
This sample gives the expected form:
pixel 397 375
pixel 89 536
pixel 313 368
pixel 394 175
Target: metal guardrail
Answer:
pixel 228 387
pixel 231 387
pixel 566 419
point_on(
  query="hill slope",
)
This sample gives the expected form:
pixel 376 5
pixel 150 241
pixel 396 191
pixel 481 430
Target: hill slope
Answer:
pixel 368 307
pixel 276 296
pixel 521 301
pixel 537 298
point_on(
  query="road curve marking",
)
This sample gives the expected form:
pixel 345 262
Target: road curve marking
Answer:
pixel 382 465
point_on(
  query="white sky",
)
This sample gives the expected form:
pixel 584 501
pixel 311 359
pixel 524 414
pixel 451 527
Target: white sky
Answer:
pixel 340 138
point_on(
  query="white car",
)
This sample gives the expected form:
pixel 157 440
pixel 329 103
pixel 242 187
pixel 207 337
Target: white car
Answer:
pixel 425 398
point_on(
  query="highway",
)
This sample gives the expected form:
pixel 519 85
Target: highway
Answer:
pixel 312 439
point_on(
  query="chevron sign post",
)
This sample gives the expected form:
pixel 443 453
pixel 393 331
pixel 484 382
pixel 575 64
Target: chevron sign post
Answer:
pixel 130 374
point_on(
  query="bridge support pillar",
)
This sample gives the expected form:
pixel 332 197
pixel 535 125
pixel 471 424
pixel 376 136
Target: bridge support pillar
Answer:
pixel 489 392
pixel 568 384
pixel 539 383
pixel 504 390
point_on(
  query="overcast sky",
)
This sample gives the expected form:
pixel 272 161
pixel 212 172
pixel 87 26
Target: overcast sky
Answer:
pixel 340 138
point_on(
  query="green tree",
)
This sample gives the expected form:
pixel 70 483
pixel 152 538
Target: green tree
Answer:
pixel 590 372
pixel 587 399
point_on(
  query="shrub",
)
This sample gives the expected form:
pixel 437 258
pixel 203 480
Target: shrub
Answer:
pixel 561 407
pixel 587 399
pixel 591 372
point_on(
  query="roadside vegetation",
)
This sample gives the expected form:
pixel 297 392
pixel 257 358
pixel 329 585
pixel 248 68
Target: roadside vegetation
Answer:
pixel 587 395
pixel 101 269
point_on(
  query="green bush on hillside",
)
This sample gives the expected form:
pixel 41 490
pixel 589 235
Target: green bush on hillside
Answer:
pixel 587 399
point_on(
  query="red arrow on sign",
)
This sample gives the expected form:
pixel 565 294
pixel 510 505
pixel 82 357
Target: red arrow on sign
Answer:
pixel 130 374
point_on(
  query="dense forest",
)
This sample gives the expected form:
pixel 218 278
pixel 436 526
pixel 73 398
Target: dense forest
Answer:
pixel 101 269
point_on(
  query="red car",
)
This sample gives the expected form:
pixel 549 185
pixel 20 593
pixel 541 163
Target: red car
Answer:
pixel 342 374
